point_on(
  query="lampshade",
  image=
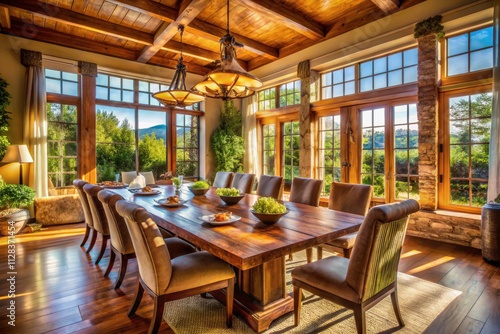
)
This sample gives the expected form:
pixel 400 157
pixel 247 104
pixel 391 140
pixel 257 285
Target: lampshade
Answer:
pixel 229 80
pixel 177 94
pixel 17 153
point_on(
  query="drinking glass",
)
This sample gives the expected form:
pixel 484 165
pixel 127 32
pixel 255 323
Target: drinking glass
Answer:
pixel 117 177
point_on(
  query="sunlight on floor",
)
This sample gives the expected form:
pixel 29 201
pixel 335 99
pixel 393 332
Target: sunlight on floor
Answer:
pixel 47 234
pixel 410 253
pixel 435 263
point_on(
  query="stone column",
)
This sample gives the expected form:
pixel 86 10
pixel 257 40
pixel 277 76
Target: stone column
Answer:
pixel 428 120
pixel 305 140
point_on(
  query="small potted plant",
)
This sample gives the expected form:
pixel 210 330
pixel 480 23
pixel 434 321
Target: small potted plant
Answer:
pixel 13 200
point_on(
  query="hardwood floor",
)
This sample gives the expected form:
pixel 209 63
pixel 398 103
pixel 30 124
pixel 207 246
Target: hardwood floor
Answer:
pixel 60 290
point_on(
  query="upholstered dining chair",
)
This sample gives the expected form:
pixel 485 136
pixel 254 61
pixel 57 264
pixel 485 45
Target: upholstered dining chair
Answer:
pixel 149 177
pixel 270 186
pixel 243 182
pixel 89 224
pixel 166 278
pixel 360 282
pixel 98 216
pixel 351 198
pixel 128 177
pixel 223 179
pixel 305 191
pixel 121 244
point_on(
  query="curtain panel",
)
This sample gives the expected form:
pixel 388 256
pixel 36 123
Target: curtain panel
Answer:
pixel 35 121
pixel 251 159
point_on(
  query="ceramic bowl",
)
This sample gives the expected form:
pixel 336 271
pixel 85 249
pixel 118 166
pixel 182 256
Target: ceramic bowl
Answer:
pixel 198 191
pixel 269 218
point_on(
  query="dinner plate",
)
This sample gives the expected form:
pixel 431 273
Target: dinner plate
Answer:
pixel 146 193
pixel 210 219
pixel 162 201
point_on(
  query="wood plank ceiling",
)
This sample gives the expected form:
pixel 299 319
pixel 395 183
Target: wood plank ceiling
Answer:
pixel 146 31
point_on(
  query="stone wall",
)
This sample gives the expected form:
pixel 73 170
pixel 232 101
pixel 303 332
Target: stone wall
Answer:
pixel 451 227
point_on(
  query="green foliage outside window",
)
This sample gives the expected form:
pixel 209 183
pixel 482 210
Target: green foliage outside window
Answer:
pixel 4 116
pixel 226 141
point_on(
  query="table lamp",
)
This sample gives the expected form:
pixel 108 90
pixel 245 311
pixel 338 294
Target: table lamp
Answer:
pixel 19 154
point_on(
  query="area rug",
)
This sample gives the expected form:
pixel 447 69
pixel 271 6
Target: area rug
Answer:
pixel 420 302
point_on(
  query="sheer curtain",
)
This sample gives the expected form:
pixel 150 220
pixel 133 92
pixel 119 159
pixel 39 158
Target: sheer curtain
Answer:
pixel 494 172
pixel 35 121
pixel 251 160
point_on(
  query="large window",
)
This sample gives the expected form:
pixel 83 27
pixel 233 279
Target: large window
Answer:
pixel 290 139
pixel 339 82
pixel 470 52
pixel 187 149
pixel 329 165
pixel 467 149
pixel 406 151
pixel 62 143
pixel 290 94
pixel 62 116
pixel 396 69
pixel 267 99
pixel 132 130
pixel 373 150
pixel 269 149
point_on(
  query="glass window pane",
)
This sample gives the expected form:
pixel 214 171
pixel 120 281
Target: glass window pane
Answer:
pixel 380 65
pixel 52 73
pixel 338 90
pixel 482 38
pixel 338 76
pixel 482 59
pixel 410 74
pixel 115 82
pixel 380 81
pixel 458 64
pixel 458 45
pixel 128 84
pixel 101 93
pixel 70 88
pixel 395 61
pixel 349 73
pixel 366 84
pixel 410 57
pixel 349 88
pixel 366 69
pixel 53 86
pixel 395 78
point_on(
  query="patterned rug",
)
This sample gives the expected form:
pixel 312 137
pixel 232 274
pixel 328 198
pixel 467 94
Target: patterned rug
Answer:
pixel 420 302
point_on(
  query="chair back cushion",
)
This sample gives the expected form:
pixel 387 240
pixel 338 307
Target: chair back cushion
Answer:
pixel 375 257
pixel 96 208
pixel 152 255
pixel 306 191
pixel 243 182
pixel 83 199
pixel 270 186
pixel 223 179
pixel 150 179
pixel 128 177
pixel 350 197
pixel 118 231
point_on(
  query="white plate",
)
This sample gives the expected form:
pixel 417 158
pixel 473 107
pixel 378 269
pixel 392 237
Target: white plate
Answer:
pixel 210 219
pixel 162 201
pixel 146 193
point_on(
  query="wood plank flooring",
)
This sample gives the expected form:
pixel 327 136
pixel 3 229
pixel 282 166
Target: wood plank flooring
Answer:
pixel 60 290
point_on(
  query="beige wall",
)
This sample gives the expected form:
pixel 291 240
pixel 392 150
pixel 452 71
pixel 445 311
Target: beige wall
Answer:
pixel 14 73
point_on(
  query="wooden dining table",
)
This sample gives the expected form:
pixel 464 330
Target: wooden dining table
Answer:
pixel 257 251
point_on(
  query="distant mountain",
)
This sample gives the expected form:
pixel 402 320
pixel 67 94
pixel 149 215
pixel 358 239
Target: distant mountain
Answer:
pixel 159 130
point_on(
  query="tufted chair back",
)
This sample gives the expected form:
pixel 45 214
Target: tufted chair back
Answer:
pixel 350 197
pixel 120 237
pixel 85 202
pixel 223 179
pixel 270 186
pixel 243 182
pixel 96 208
pixel 152 254
pixel 374 261
pixel 306 191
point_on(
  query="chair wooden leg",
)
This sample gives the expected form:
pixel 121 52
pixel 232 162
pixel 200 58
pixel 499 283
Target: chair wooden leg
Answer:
pixel 395 305
pixel 320 252
pixel 229 303
pixel 86 236
pixel 297 304
pixel 92 241
pixel 359 317
pixel 123 270
pixel 112 257
pixel 159 302
pixel 103 248
pixel 137 300
pixel 309 255
pixel 290 257
pixel 347 253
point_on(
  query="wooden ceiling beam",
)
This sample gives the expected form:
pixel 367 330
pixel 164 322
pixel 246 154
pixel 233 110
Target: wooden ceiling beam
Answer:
pixel 287 17
pixel 190 50
pixel 190 9
pixel 387 6
pixel 79 20
pixel 197 27
pixel 4 17
pixel 21 29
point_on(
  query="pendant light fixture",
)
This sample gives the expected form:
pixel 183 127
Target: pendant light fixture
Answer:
pixel 177 94
pixel 229 80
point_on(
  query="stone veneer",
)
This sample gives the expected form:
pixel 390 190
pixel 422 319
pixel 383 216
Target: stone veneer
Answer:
pixel 452 227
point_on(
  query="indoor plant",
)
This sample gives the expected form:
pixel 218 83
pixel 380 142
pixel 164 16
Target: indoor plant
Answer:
pixel 13 199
